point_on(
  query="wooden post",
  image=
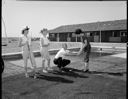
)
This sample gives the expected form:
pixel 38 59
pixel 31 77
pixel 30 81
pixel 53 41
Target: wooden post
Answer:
pixel 76 37
pixel 100 36
pixel 5 31
pixel 58 39
pixel 68 38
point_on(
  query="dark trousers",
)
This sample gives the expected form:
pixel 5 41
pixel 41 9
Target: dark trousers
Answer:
pixel 61 62
pixel 87 54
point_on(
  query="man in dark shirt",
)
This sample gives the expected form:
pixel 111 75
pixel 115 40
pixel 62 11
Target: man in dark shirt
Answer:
pixel 86 49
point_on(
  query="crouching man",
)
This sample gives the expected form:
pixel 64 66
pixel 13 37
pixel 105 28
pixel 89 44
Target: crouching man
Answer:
pixel 60 59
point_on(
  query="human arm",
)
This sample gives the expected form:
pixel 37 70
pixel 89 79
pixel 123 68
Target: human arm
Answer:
pixel 70 52
pixel 41 41
pixel 80 51
pixel 82 47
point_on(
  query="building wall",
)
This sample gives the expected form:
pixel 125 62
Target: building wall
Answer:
pixel 53 36
pixel 63 37
pixel 105 36
pixel 94 36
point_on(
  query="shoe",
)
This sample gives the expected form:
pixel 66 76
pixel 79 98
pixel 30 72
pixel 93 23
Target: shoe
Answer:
pixel 26 75
pixel 70 69
pixel 49 69
pixel 45 71
pixel 87 70
pixel 35 76
pixel 60 69
pixel 37 73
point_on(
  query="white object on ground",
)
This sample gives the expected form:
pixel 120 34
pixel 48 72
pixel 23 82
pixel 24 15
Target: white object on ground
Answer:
pixel 122 55
pixel 44 71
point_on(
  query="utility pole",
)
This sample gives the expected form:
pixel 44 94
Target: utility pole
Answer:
pixel 100 36
pixel 3 3
pixel 99 30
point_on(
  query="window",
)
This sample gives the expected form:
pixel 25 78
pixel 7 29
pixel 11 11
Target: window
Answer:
pixel 114 34
pixel 88 34
pixel 70 34
pixel 52 35
pixel 73 34
pixel 123 33
pixel 96 33
pixel 91 34
pixel 81 34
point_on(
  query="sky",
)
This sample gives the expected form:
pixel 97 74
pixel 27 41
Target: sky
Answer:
pixel 51 14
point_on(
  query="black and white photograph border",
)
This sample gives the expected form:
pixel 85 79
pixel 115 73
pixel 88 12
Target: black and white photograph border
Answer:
pixel 63 49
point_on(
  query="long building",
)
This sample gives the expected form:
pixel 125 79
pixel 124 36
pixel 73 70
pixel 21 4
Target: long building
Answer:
pixel 107 31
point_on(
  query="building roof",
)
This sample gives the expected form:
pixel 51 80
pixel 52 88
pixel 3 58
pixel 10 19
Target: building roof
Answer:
pixel 96 26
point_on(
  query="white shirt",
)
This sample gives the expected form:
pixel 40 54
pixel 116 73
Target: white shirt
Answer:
pixel 61 53
pixel 25 39
pixel 45 39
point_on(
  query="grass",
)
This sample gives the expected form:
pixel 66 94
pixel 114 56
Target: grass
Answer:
pixel 73 84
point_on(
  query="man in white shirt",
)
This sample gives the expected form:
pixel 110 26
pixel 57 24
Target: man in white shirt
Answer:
pixel 59 59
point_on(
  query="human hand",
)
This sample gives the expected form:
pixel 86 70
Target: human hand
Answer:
pixel 74 53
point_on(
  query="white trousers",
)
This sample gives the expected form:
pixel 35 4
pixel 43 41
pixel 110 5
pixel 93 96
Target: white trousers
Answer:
pixel 28 54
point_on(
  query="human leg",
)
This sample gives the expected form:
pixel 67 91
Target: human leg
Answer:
pixel 47 57
pixel 33 62
pixel 48 64
pixel 58 62
pixel 65 62
pixel 25 58
pixel 43 66
pixel 86 62
pixel 43 55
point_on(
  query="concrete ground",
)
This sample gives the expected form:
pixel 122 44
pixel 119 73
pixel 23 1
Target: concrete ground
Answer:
pixel 106 80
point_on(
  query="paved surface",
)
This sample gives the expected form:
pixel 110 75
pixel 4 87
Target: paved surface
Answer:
pixel 107 80
pixel 122 55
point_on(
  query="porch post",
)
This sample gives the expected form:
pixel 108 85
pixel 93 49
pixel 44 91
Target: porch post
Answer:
pixel 58 39
pixel 68 38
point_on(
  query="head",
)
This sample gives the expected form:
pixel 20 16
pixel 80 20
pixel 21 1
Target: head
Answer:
pixel 64 46
pixel 44 32
pixel 25 31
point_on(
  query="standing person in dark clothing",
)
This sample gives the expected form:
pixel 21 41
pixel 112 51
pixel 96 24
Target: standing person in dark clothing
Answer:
pixel 85 49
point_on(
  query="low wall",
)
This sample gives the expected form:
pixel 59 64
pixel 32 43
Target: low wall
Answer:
pixel 18 55
pixel 71 46
pixel 114 39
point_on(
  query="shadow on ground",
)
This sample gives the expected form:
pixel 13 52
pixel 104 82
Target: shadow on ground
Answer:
pixel 72 71
pixel 53 78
